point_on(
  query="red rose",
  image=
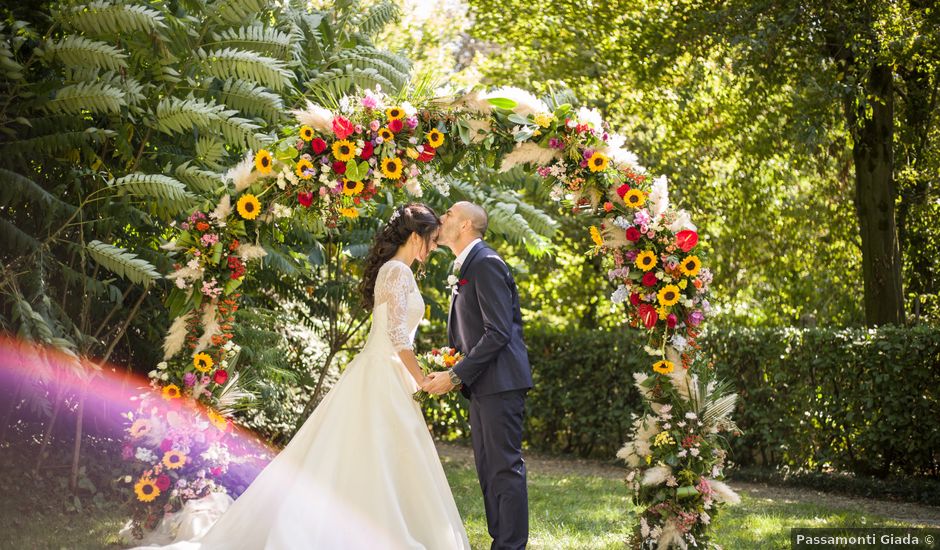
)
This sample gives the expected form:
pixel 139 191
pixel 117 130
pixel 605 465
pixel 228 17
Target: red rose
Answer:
pixel 342 127
pixel 162 482
pixel 462 282
pixel 318 145
pixel 608 206
pixel 366 151
pixel 339 167
pixel 305 199
pixel 649 279
pixel 634 298
pixel 633 234
pixel 671 320
pixel 686 240
pixel 648 315
pixel 395 125
pixel 221 376
pixel 427 154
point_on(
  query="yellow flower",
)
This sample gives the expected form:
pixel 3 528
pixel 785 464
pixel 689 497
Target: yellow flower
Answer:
pixel 663 438
pixel 544 119
pixel 351 188
pixel 690 266
pixel 248 206
pixel 174 460
pixel 394 113
pixel 306 133
pixel 217 420
pixel 263 161
pixel 140 428
pixel 646 260
pixel 303 165
pixel 386 134
pixel 412 153
pixel 598 162
pixel 435 138
pixel 635 198
pixel 649 459
pixel 669 295
pixel 349 212
pixel 146 490
pixel 596 236
pixel 663 367
pixel 171 391
pixel 683 283
pixel 391 168
pixel 344 150
pixel 203 362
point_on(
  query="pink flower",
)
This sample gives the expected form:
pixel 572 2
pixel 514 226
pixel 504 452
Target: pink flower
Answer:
pixel 374 125
pixel 412 122
pixel 189 379
pixel 342 127
pixel 369 101
pixel 671 320
pixel 323 191
pixel 695 318
pixel 358 128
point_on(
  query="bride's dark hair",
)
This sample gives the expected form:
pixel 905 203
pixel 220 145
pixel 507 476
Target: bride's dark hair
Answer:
pixel 407 219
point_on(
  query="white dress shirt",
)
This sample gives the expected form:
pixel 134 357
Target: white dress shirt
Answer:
pixel 462 257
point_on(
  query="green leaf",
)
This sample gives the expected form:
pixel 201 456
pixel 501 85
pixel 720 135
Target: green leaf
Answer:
pixel 123 263
pixel 502 103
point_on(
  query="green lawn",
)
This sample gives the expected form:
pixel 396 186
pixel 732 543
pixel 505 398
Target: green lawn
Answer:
pixel 567 511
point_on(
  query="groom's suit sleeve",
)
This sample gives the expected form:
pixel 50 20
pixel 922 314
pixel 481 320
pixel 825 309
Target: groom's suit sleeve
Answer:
pixel 495 299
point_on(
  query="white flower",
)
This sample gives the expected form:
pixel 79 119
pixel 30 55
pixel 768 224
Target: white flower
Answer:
pixel 659 197
pixel 705 518
pixel 683 221
pixel 679 342
pixel 152 374
pixel 128 479
pixel 591 117
pixel 144 454
pixel 316 117
pixel 694 451
pixel 671 481
pixel 622 223
pixel 682 453
pixel 409 109
pixel 691 415
pixel 345 104
pixel 162 365
pixel 620 295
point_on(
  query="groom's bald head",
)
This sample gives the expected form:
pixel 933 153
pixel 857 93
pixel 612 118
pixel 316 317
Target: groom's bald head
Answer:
pixel 474 214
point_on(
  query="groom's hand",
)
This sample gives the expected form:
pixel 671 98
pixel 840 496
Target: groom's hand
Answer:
pixel 440 383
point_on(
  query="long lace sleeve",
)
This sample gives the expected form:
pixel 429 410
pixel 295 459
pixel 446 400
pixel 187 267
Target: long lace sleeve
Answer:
pixel 397 284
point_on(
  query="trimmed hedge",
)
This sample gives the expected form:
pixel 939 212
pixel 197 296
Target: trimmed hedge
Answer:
pixel 851 400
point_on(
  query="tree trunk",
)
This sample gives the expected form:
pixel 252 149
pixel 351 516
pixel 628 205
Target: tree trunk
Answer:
pixel 875 193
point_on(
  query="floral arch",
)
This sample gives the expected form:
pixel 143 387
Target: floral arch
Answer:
pixel 329 168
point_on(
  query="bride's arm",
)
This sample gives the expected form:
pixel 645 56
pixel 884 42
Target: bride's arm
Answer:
pixel 407 357
pixel 398 284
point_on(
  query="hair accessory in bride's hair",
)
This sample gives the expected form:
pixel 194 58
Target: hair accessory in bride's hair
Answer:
pixel 394 215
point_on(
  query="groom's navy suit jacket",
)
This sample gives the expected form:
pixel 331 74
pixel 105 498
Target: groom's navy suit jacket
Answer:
pixel 486 326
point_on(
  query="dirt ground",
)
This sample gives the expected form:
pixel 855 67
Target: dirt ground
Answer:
pixel 900 511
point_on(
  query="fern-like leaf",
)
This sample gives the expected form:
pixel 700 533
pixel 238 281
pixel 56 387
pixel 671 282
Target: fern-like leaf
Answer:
pixel 15 239
pixel 91 96
pixel 14 188
pixel 246 65
pixel 170 194
pixel 107 18
pixel 200 180
pixel 78 51
pixel 377 18
pixel 236 11
pixel 257 38
pixel 252 100
pixel 122 263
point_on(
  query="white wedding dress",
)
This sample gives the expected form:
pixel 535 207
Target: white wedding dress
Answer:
pixel 361 473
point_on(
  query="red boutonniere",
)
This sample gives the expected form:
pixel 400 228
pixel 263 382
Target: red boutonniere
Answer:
pixel 462 282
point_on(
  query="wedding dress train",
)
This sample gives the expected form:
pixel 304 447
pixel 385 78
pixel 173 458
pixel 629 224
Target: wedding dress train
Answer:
pixel 362 472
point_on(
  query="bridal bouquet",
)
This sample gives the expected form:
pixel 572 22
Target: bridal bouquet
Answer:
pixel 436 360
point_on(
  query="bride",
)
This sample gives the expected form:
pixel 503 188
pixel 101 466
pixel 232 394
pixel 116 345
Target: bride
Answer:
pixel 362 472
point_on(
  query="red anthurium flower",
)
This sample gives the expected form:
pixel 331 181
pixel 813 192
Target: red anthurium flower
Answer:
pixel 221 376
pixel 305 199
pixel 427 154
pixel 342 128
pixel 318 145
pixel 686 239
pixel 648 315
pixel 395 125
pixel 366 151
pixel 633 234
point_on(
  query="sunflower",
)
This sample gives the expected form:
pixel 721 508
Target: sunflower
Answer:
pixel 635 198
pixel 435 138
pixel 146 489
pixel 140 428
pixel 669 295
pixel 386 134
pixel 646 260
pixel 306 133
pixel 351 188
pixel 202 362
pixel 596 236
pixel 349 212
pixel 663 367
pixel 248 206
pixel 394 113
pixel 391 168
pixel 598 162
pixel 263 161
pixel 174 460
pixel 171 391
pixel 690 266
pixel 217 420
pixel 344 150
pixel 303 167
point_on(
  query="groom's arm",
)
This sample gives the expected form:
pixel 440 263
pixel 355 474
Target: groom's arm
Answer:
pixel 495 299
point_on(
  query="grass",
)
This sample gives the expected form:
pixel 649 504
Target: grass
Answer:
pixel 567 511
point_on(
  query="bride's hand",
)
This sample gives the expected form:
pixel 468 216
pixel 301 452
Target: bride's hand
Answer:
pixel 423 383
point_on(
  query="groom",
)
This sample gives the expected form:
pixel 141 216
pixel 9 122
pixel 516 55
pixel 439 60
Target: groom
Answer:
pixel 485 324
